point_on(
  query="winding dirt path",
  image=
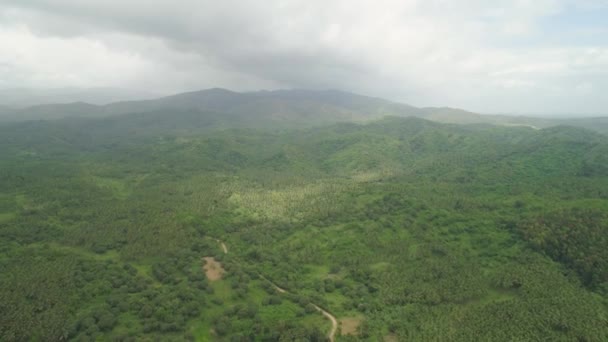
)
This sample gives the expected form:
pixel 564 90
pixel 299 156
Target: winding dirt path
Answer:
pixel 224 247
pixel 334 322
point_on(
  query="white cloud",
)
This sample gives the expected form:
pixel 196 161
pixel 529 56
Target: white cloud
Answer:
pixel 31 60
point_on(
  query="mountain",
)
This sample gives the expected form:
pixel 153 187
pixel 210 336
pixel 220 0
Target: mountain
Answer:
pixel 599 124
pixel 287 108
pixel 297 106
pixel 52 111
pixel 28 97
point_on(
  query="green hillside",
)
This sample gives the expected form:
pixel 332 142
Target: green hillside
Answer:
pixel 403 229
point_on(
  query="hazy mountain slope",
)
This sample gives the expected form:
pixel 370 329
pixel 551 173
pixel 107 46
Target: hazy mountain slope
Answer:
pixel 599 124
pixel 297 105
pixel 287 107
pixel 453 115
pixel 211 99
pixel 27 97
pixel 53 111
pixel 459 116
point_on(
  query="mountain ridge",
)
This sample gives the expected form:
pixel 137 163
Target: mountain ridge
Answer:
pixel 295 106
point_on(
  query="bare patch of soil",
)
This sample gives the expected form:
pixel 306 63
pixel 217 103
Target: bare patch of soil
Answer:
pixel 213 269
pixel 350 325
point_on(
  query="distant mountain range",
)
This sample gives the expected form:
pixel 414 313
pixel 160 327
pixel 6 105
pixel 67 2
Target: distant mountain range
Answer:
pixel 286 107
pixel 28 97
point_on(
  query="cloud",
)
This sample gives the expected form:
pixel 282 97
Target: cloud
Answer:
pixel 480 55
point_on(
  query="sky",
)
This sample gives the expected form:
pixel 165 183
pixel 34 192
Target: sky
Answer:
pixel 500 56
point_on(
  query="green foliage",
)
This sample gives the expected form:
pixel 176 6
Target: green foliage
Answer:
pixel 425 231
pixel 575 237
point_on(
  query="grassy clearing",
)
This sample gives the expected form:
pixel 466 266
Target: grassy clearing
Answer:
pixel 117 187
pixel 292 203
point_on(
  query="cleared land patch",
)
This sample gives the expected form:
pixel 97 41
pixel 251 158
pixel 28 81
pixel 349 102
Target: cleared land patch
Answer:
pixel 213 269
pixel 350 325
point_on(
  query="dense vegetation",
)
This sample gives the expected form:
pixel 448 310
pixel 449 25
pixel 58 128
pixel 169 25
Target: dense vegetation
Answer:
pixel 413 230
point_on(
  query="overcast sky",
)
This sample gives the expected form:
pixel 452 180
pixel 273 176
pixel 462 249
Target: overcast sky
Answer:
pixel 521 56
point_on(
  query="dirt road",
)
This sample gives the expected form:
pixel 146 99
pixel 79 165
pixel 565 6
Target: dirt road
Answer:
pixel 334 322
pixel 224 247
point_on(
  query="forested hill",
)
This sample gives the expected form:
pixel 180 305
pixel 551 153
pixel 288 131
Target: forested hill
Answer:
pixel 390 141
pixel 285 108
pixel 401 228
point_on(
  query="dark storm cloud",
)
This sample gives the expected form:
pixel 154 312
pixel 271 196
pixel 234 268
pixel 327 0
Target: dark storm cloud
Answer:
pixel 252 38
